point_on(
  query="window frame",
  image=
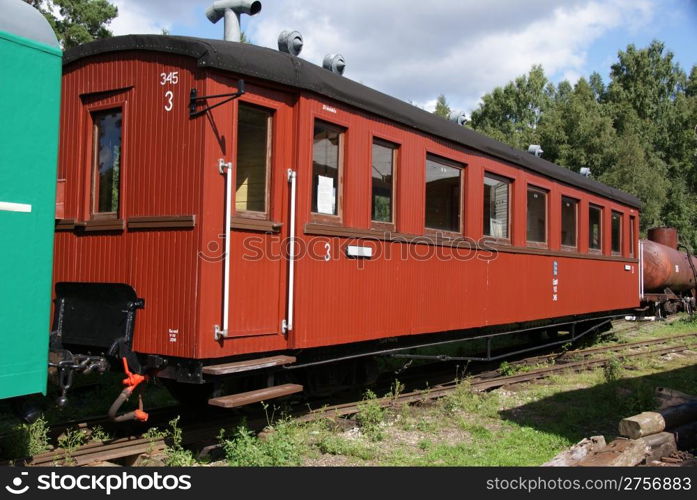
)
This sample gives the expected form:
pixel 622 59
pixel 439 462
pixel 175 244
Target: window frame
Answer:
pixel 632 236
pixel 431 231
pixel 601 209
pixel 395 147
pixel 621 219
pixel 343 132
pixel 253 214
pixel 577 206
pixel 91 200
pixel 511 186
pixel 546 194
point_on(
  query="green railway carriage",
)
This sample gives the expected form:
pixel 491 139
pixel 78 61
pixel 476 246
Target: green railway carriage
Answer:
pixel 30 76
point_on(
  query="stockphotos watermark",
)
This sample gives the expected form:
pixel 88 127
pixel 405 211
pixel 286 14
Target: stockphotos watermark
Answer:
pixel 104 483
pixel 386 246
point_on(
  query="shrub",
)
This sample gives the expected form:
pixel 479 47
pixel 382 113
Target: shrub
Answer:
pixel 281 447
pixel 370 417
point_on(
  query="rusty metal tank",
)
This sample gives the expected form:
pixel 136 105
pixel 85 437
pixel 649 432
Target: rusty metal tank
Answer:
pixel 663 265
pixel 667 236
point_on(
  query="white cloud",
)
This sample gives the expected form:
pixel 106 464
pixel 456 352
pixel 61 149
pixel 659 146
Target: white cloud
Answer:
pixel 135 17
pixel 415 50
pixel 461 49
pixel 151 16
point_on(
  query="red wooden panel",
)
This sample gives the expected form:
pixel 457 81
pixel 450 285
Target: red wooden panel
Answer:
pixel 160 176
pixel 60 199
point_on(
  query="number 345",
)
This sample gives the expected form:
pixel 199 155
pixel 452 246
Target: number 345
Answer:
pixel 172 78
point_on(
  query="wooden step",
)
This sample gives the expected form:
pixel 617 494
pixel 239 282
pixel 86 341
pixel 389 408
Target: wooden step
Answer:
pixel 248 365
pixel 245 398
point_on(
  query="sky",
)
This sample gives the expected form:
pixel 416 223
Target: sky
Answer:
pixel 463 49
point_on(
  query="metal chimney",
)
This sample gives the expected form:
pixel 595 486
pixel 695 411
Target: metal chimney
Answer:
pixel 231 10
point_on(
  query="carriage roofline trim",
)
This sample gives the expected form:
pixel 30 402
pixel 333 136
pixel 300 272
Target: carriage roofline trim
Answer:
pixel 278 67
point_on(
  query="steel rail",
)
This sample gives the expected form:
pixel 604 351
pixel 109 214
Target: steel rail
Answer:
pixel 207 432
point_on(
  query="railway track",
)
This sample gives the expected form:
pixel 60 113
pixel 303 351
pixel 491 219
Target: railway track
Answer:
pixel 206 433
pixel 493 380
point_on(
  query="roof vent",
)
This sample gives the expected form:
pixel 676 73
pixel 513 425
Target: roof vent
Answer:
pixel 290 42
pixel 535 150
pixel 458 117
pixel 585 172
pixel 231 10
pixel 334 63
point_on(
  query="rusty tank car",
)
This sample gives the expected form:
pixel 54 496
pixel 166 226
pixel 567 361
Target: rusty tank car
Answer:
pixel 668 275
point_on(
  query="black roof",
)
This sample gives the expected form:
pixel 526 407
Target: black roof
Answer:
pixel 267 64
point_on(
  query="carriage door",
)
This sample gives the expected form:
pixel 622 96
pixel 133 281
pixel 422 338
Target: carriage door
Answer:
pixel 258 267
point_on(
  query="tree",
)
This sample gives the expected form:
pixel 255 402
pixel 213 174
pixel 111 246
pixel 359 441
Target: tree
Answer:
pixel 649 100
pixel 598 86
pixel 77 21
pixel 442 107
pixel 639 172
pixel 691 87
pixel 512 113
pixel 577 131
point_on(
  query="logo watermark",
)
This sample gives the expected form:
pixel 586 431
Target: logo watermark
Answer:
pixel 16 488
pixel 101 483
pixel 383 246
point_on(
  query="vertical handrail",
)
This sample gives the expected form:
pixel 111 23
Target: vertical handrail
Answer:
pixel 641 270
pixel 287 324
pixel 226 169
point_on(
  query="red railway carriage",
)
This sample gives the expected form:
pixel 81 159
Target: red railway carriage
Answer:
pixel 349 216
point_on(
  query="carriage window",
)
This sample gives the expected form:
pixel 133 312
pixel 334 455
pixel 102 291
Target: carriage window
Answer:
pixel 383 160
pixel 616 232
pixel 595 237
pixel 106 161
pixel 632 237
pixel 537 215
pixel 326 168
pixel 253 158
pixel 443 184
pixel 496 201
pixel 569 217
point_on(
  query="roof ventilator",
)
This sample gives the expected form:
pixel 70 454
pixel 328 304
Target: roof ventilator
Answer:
pixel 535 150
pixel 458 117
pixel 290 42
pixel 334 63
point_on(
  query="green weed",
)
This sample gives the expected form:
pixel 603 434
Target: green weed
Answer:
pixel 612 371
pixel 175 454
pixel 281 447
pixel 70 441
pixel 370 417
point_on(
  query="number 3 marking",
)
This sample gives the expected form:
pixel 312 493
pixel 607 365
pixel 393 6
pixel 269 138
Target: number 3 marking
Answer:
pixel 169 95
pixel 328 248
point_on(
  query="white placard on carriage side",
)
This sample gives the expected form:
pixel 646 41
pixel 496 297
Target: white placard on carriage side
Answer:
pixel 326 198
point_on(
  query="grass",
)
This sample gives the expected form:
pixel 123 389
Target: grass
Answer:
pixel 70 441
pixel 371 416
pixel 27 439
pixel 281 446
pixel 524 425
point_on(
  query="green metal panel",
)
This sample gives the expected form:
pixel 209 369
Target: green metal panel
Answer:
pixel 29 114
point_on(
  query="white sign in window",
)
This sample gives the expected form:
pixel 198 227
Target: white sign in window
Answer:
pixel 326 195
